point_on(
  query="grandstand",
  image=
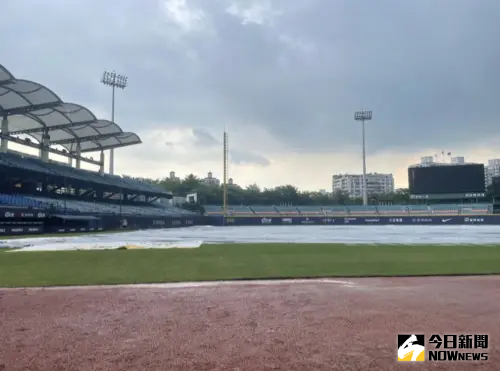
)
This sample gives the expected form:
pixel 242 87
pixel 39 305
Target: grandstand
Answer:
pixel 38 183
pixel 355 210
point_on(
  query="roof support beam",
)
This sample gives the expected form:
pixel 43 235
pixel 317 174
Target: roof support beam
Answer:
pixel 55 127
pixel 84 139
pixel 51 150
pixel 28 109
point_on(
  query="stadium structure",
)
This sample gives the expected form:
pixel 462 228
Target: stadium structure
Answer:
pixel 40 195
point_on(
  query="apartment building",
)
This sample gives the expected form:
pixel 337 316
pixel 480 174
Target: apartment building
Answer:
pixel 491 170
pixel 211 180
pixel 352 184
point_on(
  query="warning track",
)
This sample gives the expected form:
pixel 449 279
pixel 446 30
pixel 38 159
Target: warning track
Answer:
pixel 347 324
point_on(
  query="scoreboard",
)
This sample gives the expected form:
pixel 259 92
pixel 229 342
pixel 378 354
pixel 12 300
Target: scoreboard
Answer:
pixel 446 179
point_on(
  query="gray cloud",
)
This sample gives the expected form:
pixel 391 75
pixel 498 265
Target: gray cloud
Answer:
pixel 297 69
pixel 204 138
pixel 243 158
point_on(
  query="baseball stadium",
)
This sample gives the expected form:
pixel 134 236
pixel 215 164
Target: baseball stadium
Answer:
pixel 104 272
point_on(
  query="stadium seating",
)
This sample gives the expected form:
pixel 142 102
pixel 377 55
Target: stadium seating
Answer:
pixel 214 210
pixel 311 210
pixel 76 206
pixel 35 164
pixel 287 210
pixel 476 209
pixel 335 211
pixel 355 210
pixel 241 210
pixel 231 210
pixel 445 209
pixel 419 209
pixel 264 210
pixel 392 210
pixel 21 201
pixel 362 210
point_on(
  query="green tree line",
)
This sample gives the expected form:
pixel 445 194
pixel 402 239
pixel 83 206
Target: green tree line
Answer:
pixel 281 195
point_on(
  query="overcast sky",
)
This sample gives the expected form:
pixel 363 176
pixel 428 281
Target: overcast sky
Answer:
pixel 284 77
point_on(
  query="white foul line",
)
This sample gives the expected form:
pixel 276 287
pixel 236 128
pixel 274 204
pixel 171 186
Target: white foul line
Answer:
pixel 201 284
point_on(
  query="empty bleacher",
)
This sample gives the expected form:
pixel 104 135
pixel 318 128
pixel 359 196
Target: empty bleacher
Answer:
pixel 354 210
pixel 335 210
pixel 287 210
pixel 419 209
pixel 445 209
pixel 392 210
pixel 264 210
pixel 240 210
pixel 474 209
pixel 214 210
pixel 311 210
pixel 34 164
pixel 11 161
pixel 77 206
pixel 21 201
pixel 362 210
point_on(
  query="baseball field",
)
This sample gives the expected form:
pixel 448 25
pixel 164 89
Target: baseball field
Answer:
pixel 280 307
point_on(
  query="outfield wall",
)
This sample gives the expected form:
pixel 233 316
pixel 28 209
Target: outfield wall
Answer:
pixel 23 221
pixel 16 221
pixel 358 220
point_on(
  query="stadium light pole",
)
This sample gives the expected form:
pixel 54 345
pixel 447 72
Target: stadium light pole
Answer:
pixel 363 116
pixel 115 81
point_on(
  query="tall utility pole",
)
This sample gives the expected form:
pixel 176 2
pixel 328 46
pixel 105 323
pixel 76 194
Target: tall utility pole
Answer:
pixel 115 81
pixel 364 116
pixel 225 169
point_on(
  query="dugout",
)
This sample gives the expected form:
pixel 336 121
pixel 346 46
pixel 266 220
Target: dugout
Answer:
pixel 77 222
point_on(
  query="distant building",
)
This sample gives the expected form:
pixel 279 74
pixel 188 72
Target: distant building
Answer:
pixel 210 180
pixel 491 170
pixel 460 160
pixel 352 184
pixel 427 161
pixel 173 178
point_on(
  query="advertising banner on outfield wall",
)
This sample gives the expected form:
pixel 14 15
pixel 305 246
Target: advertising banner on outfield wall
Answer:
pixel 18 230
pixel 357 220
pixel 15 213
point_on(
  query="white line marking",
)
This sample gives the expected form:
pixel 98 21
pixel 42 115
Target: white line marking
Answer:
pixel 202 284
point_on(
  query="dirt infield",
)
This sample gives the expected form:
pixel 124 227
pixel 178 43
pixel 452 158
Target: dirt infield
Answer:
pixel 237 327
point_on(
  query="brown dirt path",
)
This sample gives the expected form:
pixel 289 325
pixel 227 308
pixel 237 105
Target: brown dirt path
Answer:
pixel 283 326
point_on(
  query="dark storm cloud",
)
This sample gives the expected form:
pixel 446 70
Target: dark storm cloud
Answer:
pixel 298 69
pixel 203 138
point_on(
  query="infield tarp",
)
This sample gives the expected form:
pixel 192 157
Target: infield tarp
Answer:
pixel 193 237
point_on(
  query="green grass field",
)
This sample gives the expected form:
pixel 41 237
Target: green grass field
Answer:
pixel 241 261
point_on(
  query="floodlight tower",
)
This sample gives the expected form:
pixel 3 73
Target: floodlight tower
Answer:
pixel 115 81
pixel 363 116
